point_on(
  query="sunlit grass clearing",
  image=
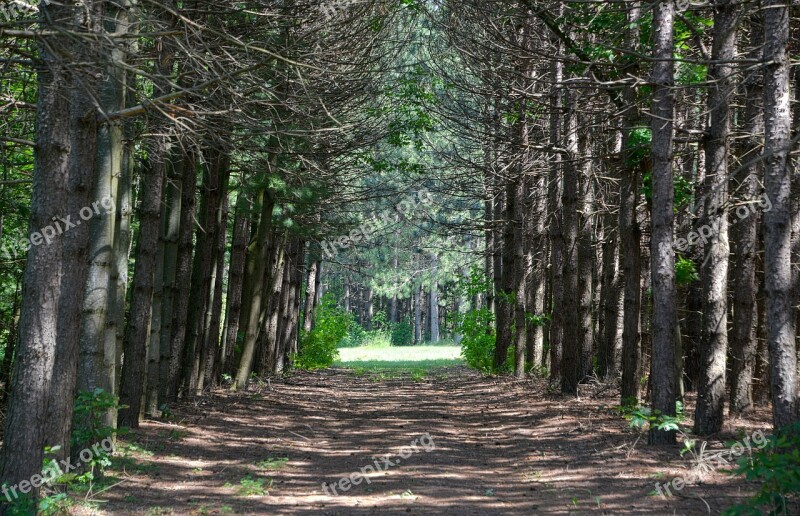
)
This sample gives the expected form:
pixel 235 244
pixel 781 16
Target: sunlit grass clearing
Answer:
pixel 406 357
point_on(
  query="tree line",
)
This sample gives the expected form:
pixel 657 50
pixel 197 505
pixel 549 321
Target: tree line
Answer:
pixel 616 178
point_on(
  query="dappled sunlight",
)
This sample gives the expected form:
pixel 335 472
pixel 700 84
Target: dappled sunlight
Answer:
pixel 500 447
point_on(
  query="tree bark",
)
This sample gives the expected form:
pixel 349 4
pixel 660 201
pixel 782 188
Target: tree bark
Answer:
pixel 714 343
pixel 254 282
pixel 630 232
pixel 137 329
pixel 26 419
pixel 241 235
pixel 555 224
pixel 780 316
pixel 183 275
pixel 662 251
pixel 745 238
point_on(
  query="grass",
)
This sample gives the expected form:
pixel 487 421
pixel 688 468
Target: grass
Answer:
pixel 249 486
pixel 406 358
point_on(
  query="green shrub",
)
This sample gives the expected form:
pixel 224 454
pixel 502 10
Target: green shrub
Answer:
pixel 380 321
pixel 477 343
pixel 777 468
pixel 356 335
pixel 402 334
pixel 477 327
pixel 318 348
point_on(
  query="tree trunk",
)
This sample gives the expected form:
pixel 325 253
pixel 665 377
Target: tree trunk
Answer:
pixel 745 238
pixel 212 343
pixel 98 339
pixel 714 343
pixel 311 288
pixel 571 367
pixel 26 419
pixel 137 329
pixel 82 179
pixel 171 290
pixel 780 316
pixel 586 255
pixel 418 314
pixel 661 245
pixel 555 225
pixel 241 235
pixel 183 275
pixel 630 232
pixel 254 281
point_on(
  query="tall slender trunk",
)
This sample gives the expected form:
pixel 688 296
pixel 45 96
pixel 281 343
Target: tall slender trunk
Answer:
pixel 746 184
pixel 156 310
pixel 137 329
pixel 183 275
pixel 661 245
pixel 98 338
pixel 434 311
pixel 418 314
pixel 26 419
pixel 586 254
pixel 254 281
pixel 311 287
pixel 780 316
pixel 75 258
pixel 571 367
pixel 714 343
pixel 241 235
pixel 555 224
pixel 171 290
pixel 212 335
pixel 630 232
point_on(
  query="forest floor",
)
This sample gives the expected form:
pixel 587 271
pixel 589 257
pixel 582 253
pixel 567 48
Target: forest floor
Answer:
pixel 497 446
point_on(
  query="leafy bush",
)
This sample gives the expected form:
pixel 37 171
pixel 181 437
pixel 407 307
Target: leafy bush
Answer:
pixel 380 322
pixel 477 327
pixel 777 468
pixel 356 335
pixel 402 334
pixel 644 418
pixel 477 344
pixel 318 348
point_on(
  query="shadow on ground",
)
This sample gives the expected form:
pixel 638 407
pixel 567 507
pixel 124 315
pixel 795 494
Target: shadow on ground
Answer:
pixel 501 447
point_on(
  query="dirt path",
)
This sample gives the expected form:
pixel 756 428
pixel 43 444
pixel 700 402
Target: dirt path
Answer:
pixel 498 447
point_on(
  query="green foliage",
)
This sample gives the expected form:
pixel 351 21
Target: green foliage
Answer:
pixel 356 335
pixel 537 321
pixel 478 342
pixel 477 326
pixel 402 334
pixel 380 321
pixel 685 271
pixel 777 468
pixel 639 145
pixel 273 463
pixel 690 73
pixel 249 486
pixel 318 348
pixel 684 191
pixel 476 283
pixel 90 408
pixel 644 418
